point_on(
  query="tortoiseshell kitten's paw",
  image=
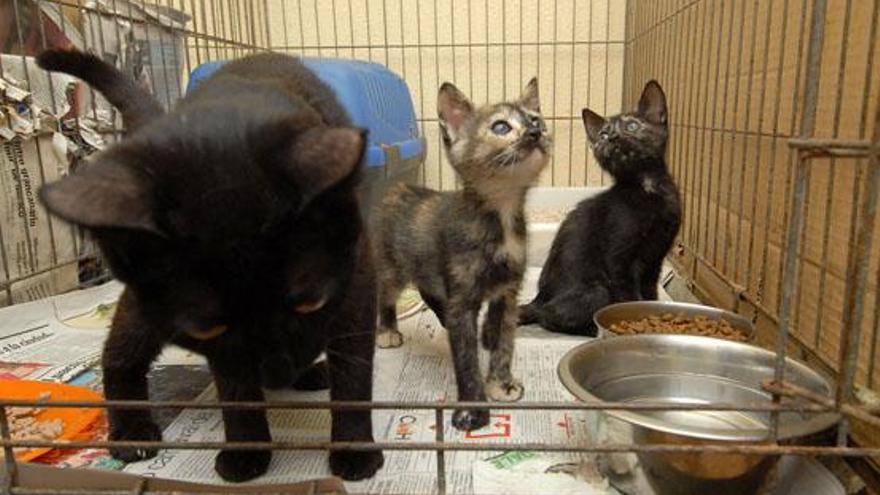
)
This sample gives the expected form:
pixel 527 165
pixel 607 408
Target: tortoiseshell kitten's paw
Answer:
pixel 470 419
pixel 388 339
pixel 355 465
pixel 242 465
pixel 145 430
pixel 510 391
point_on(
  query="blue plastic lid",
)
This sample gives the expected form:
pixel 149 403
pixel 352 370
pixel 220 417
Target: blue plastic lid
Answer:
pixel 374 97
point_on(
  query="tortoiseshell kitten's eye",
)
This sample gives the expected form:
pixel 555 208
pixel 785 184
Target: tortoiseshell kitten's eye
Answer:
pixel 632 126
pixel 501 127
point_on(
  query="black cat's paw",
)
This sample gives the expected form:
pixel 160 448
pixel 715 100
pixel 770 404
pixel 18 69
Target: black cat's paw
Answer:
pixel 145 430
pixel 316 377
pixel 242 465
pixel 355 465
pixel 470 419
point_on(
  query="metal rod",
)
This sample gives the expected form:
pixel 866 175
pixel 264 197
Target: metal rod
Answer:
pixel 439 425
pixel 395 405
pixel 732 448
pixel 832 179
pixel 857 275
pixel 795 223
pixel 757 160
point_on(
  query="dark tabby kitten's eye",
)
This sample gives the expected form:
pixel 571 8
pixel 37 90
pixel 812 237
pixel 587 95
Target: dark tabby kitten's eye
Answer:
pixel 603 135
pixel 501 127
pixel 632 126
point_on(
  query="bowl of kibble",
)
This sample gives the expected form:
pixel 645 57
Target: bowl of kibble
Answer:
pixel 668 317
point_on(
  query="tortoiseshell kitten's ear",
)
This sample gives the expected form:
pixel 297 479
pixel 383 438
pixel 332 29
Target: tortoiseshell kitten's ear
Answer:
pixel 652 104
pixel 454 109
pixel 529 98
pixel 593 122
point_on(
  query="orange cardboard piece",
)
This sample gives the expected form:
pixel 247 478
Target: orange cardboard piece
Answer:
pixel 77 421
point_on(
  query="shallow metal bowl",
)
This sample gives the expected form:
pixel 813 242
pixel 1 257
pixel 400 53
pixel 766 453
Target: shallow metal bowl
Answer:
pixel 686 369
pixel 636 310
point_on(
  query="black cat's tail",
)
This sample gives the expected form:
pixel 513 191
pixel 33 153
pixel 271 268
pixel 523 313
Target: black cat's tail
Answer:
pixel 136 105
pixel 529 313
pixel 570 312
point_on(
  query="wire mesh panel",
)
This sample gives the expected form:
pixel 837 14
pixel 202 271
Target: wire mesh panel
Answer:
pixel 489 49
pixel 738 78
pixel 51 122
pixel 773 140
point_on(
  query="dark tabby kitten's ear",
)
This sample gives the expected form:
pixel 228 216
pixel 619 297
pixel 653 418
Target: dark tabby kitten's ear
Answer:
pixel 593 123
pixel 529 97
pixel 453 108
pixel 324 156
pixel 652 104
pixel 103 194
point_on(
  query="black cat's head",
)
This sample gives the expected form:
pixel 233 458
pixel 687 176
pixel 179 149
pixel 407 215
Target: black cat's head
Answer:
pixel 630 143
pixel 223 210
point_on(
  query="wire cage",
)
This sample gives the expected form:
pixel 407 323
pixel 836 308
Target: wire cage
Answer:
pixel 775 144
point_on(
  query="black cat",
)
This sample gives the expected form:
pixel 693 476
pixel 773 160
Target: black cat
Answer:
pixel 611 247
pixel 234 223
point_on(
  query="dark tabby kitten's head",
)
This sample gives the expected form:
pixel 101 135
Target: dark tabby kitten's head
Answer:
pixel 629 144
pixel 227 208
pixel 501 144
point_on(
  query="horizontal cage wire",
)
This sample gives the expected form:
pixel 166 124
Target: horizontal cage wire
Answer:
pixel 774 143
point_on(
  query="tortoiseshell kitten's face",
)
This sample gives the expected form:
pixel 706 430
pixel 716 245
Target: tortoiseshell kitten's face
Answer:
pixel 505 144
pixel 627 143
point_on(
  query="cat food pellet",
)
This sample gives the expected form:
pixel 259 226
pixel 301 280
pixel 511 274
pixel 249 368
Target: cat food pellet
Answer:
pixel 679 324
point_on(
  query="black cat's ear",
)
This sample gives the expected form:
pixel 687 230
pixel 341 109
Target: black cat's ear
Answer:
pixel 529 97
pixel 453 108
pixel 652 104
pixel 593 122
pixel 102 195
pixel 324 156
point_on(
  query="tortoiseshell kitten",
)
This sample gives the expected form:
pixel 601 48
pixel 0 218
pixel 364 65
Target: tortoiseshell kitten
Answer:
pixel 465 247
pixel 611 247
pixel 234 224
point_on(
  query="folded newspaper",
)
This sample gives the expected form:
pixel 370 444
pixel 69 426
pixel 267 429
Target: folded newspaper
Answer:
pixel 421 370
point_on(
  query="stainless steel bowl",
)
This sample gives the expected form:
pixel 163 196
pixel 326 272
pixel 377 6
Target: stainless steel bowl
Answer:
pixel 636 310
pixel 686 369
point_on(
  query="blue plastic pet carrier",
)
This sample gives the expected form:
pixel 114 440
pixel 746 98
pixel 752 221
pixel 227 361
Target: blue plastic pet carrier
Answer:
pixel 376 99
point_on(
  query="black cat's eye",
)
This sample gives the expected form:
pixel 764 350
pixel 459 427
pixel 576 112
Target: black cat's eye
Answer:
pixel 632 126
pixel 501 127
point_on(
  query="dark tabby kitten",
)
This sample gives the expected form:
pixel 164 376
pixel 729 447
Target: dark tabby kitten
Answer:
pixel 465 247
pixel 234 224
pixel 611 247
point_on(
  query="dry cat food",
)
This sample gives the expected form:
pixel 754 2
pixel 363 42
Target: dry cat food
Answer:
pixel 679 324
pixel 24 425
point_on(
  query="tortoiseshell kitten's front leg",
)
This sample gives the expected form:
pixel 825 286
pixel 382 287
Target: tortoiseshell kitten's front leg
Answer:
pixel 499 330
pixel 462 327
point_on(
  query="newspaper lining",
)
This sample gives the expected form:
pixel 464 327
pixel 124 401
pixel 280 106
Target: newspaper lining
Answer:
pixel 419 371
